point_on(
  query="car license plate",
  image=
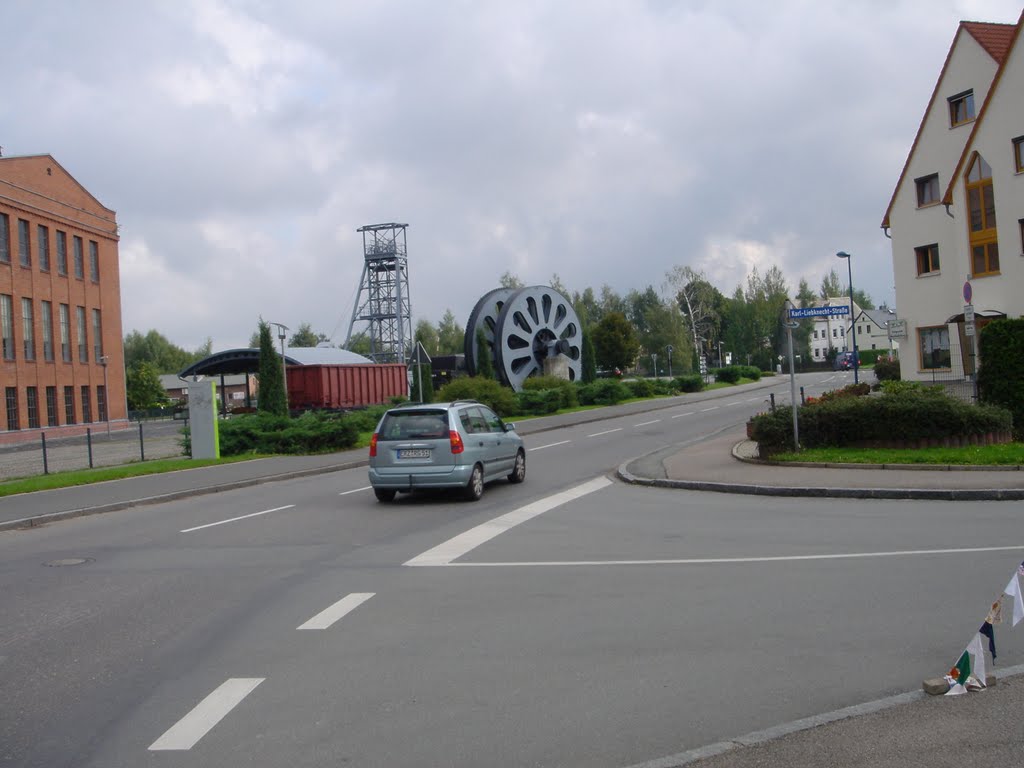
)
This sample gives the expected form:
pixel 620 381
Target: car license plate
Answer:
pixel 414 453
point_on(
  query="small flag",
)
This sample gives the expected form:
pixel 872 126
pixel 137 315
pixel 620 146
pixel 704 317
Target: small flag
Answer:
pixel 971 664
pixel 995 613
pixel 1013 590
pixel 989 632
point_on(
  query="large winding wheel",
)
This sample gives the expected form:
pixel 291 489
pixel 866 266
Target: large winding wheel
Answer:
pixel 535 323
pixel 484 316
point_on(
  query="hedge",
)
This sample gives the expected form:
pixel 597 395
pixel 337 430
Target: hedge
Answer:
pixel 488 391
pixel 603 392
pixel 693 382
pixel 901 415
pixel 312 432
pixel 539 401
pixel 1000 377
pixel 567 390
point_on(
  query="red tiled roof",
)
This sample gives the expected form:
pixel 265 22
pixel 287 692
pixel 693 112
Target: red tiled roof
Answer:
pixel 994 38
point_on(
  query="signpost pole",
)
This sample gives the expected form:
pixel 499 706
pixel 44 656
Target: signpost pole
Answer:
pixel 790 325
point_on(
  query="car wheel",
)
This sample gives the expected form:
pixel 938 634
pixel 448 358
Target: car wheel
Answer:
pixel 475 487
pixel 383 494
pixel 518 473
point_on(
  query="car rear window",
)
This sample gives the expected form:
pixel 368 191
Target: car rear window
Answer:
pixel 414 425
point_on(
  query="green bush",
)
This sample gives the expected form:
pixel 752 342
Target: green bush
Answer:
pixel 887 369
pixel 539 401
pixel 664 386
pixel 488 391
pixel 1000 376
pixel 751 372
pixel 730 374
pixel 603 392
pixel 564 387
pixel 693 382
pixel 640 387
pixel 912 413
pixel 312 432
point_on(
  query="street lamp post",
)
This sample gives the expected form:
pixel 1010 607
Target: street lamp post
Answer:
pixel 721 363
pixel 668 349
pixel 281 334
pixel 853 325
pixel 106 393
pixel 654 358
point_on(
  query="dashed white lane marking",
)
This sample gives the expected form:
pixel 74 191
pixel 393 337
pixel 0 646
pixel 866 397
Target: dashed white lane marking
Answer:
pixel 737 560
pixel 549 445
pixel 645 423
pixel 346 605
pixel 606 432
pixel 680 415
pixel 712 408
pixel 753 399
pixel 207 713
pixel 456 547
pixel 735 402
pixel 236 519
pixel 356 490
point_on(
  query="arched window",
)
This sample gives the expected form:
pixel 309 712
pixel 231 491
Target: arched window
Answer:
pixel 981 208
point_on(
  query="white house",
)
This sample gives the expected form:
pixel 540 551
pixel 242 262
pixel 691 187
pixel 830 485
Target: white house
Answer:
pixel 956 218
pixel 872 329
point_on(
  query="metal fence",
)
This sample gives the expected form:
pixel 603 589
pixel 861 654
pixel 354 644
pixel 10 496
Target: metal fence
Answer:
pixel 97 448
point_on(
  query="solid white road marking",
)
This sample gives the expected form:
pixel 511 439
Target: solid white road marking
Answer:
pixel 235 519
pixel 328 616
pixel 645 423
pixel 456 547
pixel 712 408
pixel 207 713
pixel 738 560
pixel 680 415
pixel 606 432
pixel 356 490
pixel 549 445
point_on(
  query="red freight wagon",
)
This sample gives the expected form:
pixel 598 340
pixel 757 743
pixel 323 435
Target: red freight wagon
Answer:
pixel 345 386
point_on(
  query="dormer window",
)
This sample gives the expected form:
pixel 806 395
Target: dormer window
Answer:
pixel 927 190
pixel 961 108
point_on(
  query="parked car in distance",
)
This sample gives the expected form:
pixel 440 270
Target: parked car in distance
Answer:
pixel 844 362
pixel 462 444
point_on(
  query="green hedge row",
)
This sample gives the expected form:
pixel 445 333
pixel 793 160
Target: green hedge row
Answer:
pixel 313 432
pixel 731 374
pixel 904 413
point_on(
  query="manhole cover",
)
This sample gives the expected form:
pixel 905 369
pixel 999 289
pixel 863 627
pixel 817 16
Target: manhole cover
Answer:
pixel 69 561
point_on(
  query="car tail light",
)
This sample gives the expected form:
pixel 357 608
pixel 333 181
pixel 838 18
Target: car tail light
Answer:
pixel 373 445
pixel 456 440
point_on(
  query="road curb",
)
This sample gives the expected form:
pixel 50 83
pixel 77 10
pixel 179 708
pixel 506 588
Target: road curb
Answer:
pixel 756 738
pixel 38 520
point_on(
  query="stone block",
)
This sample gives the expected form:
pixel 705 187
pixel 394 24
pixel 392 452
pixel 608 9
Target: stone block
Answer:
pixel 935 686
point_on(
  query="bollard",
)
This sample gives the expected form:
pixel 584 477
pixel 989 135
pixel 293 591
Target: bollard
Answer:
pixel 802 396
pixel 88 441
pixel 142 446
pixel 46 465
pixel 772 396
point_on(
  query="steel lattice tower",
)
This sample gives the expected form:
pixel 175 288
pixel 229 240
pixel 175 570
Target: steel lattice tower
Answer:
pixel 383 298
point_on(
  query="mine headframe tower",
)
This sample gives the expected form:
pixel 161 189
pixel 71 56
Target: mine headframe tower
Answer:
pixel 383 298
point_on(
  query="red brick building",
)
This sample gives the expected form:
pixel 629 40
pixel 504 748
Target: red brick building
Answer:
pixel 61 348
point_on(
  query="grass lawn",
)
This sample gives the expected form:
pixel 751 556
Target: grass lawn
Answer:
pixel 987 455
pixel 102 474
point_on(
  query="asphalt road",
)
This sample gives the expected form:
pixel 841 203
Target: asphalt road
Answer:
pixel 570 621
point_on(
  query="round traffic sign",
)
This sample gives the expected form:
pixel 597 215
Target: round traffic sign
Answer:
pixel 968 292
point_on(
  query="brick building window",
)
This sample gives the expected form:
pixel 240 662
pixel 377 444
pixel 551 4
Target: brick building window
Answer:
pixel 28 329
pixel 51 406
pixel 62 252
pixel 24 244
pixel 65 333
pixel 47 310
pixel 86 405
pixel 69 405
pixel 94 261
pixel 5 238
pixel 97 335
pixel 101 402
pixel 79 257
pixel 32 401
pixel 83 345
pixel 11 400
pixel 7 325
pixel 43 244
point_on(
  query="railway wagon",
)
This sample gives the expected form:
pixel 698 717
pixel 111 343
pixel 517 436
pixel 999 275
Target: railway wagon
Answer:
pixel 339 387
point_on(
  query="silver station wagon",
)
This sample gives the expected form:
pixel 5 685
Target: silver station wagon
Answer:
pixel 462 444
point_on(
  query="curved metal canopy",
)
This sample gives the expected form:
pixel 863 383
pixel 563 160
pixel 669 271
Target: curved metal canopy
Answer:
pixel 248 360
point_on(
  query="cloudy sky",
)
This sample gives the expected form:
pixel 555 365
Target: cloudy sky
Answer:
pixel 243 142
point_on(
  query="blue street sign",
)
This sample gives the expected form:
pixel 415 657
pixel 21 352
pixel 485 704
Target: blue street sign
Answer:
pixel 819 312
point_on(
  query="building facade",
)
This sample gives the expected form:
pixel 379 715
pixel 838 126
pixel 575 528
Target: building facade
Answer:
pixel 956 218
pixel 62 359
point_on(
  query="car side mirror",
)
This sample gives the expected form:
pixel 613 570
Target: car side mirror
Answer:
pixel 510 427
